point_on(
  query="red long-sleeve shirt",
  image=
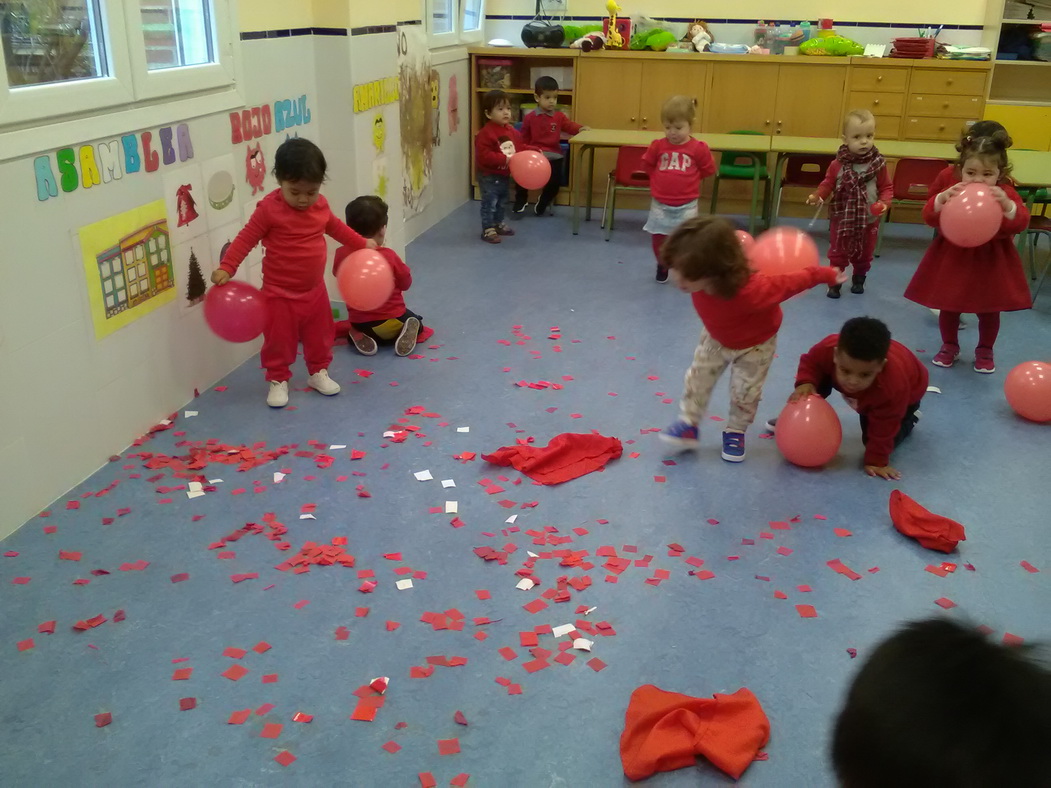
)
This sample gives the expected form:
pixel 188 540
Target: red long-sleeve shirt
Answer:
pixel 754 315
pixel 294 241
pixel 395 305
pixel 488 158
pixel 545 130
pixel 901 382
pixel 676 170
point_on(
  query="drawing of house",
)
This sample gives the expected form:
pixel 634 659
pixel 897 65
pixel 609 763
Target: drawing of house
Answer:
pixel 114 287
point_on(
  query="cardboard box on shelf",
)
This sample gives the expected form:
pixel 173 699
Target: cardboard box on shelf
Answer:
pixel 563 75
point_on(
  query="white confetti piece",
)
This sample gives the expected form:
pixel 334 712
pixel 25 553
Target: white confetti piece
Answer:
pixel 525 584
pixel 562 629
pixel 934 389
pixel 404 584
pixel 278 477
pixel 189 414
pixel 423 476
pixel 307 517
pixel 336 446
pixel 452 507
pixel 583 644
pixel 511 519
pixel 447 483
pixel 463 429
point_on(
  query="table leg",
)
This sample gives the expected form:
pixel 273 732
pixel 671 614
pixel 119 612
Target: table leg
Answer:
pixel 575 194
pixel 591 183
pixel 775 186
pixel 755 193
pixel 1030 199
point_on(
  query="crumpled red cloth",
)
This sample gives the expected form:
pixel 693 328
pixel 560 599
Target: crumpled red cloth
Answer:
pixel 929 529
pixel 664 731
pixel 566 457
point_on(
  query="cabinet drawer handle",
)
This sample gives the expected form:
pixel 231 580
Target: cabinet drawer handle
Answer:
pixel 876 102
pixel 778 123
pixel 644 120
pixel 945 105
pixel 633 119
pixel 941 128
pixel 767 123
pixel 879 78
pixel 948 82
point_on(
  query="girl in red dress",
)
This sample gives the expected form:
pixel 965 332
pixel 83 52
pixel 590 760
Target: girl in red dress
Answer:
pixel 985 280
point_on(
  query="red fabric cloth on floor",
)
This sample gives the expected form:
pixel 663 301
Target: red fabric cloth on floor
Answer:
pixel 566 457
pixel 664 731
pixel 929 529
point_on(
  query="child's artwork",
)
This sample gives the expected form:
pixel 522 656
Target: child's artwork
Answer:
pixel 436 115
pixel 184 198
pixel 255 168
pixel 220 197
pixel 193 272
pixel 127 266
pixel 452 100
pixel 417 146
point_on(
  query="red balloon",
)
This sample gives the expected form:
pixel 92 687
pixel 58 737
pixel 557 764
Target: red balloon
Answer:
pixel 808 432
pixel 365 280
pixel 972 217
pixel 1028 390
pixel 530 169
pixel 235 311
pixel 747 241
pixel 783 250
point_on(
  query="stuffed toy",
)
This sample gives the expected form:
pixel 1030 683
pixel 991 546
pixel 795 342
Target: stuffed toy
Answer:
pixel 573 32
pixel 833 46
pixel 589 42
pixel 699 35
pixel 656 39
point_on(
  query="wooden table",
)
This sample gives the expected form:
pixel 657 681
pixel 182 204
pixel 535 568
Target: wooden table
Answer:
pixel 588 141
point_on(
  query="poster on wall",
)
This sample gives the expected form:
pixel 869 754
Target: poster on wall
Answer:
pixel 184 198
pixel 221 194
pixel 416 109
pixel 193 270
pixel 127 266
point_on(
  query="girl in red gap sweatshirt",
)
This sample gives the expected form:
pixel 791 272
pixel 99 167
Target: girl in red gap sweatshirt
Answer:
pixel 494 145
pixel 292 222
pixel 741 312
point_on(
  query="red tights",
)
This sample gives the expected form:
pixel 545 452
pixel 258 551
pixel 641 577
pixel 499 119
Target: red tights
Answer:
pixel 988 328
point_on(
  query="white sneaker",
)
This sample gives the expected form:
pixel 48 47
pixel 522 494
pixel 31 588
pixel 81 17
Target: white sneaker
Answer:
pixel 322 383
pixel 278 395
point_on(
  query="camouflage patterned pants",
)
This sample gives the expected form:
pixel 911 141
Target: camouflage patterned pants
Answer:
pixel 748 370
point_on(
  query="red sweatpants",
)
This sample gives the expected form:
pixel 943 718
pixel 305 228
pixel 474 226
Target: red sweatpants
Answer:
pixel 291 319
pixel 840 258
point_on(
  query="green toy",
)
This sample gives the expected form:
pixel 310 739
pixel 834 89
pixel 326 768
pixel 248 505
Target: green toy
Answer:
pixel 574 32
pixel 656 39
pixel 833 46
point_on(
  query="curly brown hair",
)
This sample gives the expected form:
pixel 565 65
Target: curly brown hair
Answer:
pixel 706 247
pixel 991 149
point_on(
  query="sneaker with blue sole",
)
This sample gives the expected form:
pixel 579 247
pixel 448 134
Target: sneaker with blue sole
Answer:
pixel 733 446
pixel 682 435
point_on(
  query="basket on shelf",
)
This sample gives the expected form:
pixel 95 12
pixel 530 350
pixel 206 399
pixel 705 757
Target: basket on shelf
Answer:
pixel 914 48
pixel 494 73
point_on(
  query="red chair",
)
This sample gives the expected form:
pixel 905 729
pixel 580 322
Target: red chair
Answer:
pixel 801 169
pixel 912 182
pixel 628 175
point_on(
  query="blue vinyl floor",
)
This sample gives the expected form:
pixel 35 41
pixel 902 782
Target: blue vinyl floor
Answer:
pixel 625 341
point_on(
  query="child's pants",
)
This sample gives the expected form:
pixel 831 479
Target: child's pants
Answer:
pixel 494 198
pixel 988 328
pixel 748 369
pixel 550 190
pixel 840 257
pixel 305 317
pixel 908 421
pixel 386 330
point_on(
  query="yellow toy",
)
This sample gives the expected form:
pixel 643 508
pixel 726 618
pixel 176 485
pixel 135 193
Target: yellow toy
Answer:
pixel 614 40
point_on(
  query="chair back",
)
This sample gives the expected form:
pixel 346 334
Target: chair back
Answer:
pixel 629 171
pixel 806 169
pixel 913 177
pixel 731 159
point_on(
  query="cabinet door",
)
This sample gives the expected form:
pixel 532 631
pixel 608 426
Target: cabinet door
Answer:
pixel 810 100
pixel 661 80
pixel 742 98
pixel 606 93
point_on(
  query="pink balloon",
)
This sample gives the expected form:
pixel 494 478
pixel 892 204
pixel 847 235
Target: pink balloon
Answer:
pixel 1028 390
pixel 972 217
pixel 808 432
pixel 365 280
pixel 747 241
pixel 235 311
pixel 783 250
pixel 530 169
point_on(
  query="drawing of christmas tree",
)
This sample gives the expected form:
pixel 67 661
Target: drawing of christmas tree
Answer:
pixel 195 287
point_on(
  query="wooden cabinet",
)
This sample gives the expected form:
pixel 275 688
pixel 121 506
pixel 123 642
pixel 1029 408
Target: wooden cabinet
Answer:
pixel 661 80
pixel 941 101
pixel 950 81
pixel 743 97
pixel 629 94
pixel 881 88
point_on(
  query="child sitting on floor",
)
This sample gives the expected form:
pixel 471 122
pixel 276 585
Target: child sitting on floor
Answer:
pixel 391 322
pixel 879 378
pixel 741 313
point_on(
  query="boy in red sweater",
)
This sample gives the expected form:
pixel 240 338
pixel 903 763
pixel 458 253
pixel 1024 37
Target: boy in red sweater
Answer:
pixel 879 378
pixel 861 191
pixel 676 163
pixel 741 312
pixel 292 222
pixel 391 322
pixel 544 128
pixel 494 145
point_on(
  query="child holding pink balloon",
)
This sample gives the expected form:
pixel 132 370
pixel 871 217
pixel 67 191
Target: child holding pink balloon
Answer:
pixel 494 145
pixel 973 265
pixel 741 312
pixel 676 164
pixel 391 321
pixel 880 378
pixel 292 222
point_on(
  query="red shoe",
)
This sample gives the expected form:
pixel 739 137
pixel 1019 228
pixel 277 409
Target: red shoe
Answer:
pixel 983 360
pixel 947 356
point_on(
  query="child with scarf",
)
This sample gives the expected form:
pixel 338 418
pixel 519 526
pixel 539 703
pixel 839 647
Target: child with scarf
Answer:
pixel 860 188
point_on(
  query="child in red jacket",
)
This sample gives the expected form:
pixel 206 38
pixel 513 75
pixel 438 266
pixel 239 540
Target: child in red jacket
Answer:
pixel 861 192
pixel 494 145
pixel 392 322
pixel 544 128
pixel 676 163
pixel 292 222
pixel 983 280
pixel 741 312
pixel 879 378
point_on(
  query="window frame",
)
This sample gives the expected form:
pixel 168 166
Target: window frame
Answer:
pixel 39 117
pixel 457 36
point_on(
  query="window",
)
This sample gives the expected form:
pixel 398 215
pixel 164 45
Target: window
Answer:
pixel 79 60
pixel 452 22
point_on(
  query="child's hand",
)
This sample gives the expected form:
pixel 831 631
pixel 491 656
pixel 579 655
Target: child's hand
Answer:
pixel 813 199
pixel 948 194
pixel 841 277
pixel 883 471
pixel 877 209
pixel 370 243
pixel 1001 197
pixel 220 277
pixel 802 390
